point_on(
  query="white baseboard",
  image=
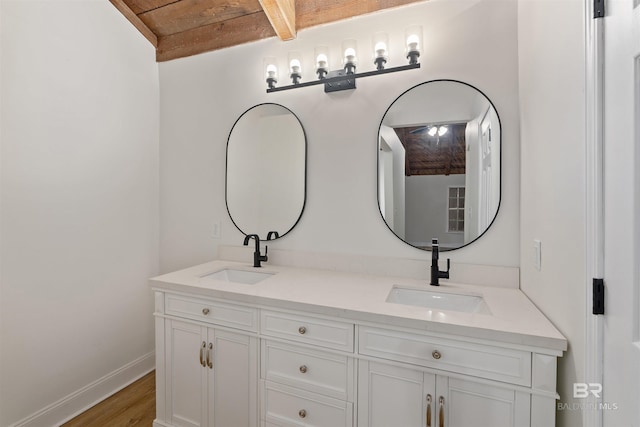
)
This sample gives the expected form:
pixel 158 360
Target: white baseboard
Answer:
pixel 79 401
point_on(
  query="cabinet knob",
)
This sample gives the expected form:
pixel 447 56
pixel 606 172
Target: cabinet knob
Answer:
pixel 205 311
pixel 303 369
pixel 302 413
pixel 302 330
pixel 436 354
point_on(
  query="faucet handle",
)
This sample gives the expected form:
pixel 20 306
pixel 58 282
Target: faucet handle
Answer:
pixel 448 264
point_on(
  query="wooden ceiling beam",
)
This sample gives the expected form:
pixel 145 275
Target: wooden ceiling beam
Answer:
pixel 137 22
pixel 316 12
pixel 277 17
pixel 185 15
pixel 232 32
pixel 282 16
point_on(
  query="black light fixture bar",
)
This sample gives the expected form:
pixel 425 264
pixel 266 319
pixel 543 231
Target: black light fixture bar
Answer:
pixel 339 80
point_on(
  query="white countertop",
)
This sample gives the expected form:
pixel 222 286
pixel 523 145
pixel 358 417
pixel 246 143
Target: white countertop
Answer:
pixel 359 297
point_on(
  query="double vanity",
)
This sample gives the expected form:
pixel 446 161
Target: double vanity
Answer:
pixel 282 346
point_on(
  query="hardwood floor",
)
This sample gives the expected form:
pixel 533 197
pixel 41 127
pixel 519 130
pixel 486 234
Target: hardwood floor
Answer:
pixel 134 405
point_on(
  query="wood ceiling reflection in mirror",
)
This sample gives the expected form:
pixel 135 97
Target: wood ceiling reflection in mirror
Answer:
pixel 434 154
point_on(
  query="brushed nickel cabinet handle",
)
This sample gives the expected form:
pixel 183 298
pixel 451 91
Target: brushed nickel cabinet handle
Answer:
pixel 302 330
pixel 436 354
pixel 441 410
pixel 205 311
pixel 202 347
pixel 303 369
pixel 210 356
pixel 429 410
pixel 302 413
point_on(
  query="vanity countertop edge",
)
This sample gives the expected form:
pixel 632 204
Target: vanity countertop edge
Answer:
pixel 514 319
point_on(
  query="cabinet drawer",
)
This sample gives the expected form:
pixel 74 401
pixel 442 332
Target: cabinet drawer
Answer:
pixel 309 369
pixel 325 333
pixel 202 309
pixel 512 366
pixel 287 406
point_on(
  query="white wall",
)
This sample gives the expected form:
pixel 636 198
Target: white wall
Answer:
pixel 552 107
pixel 428 197
pixel 201 97
pixel 79 194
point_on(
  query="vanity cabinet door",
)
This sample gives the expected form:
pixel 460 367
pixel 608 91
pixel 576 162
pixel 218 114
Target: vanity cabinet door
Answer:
pixel 390 396
pixel 211 376
pixel 232 370
pixel 395 396
pixel 186 377
pixel 466 403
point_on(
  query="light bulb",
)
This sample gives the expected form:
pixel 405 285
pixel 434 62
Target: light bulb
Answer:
pixel 350 55
pixel 412 43
pixel 295 66
pixel 322 61
pixel 272 71
pixel 433 130
pixel 442 130
pixel 381 50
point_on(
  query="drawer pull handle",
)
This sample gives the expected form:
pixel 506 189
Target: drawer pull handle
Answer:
pixel 209 356
pixel 441 410
pixel 202 347
pixel 205 311
pixel 436 354
pixel 302 413
pixel 303 369
pixel 429 410
pixel 302 330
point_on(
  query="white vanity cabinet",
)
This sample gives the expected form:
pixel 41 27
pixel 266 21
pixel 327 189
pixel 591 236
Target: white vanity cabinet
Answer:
pixel 324 349
pixel 207 368
pixel 307 368
pixel 392 395
pixel 419 380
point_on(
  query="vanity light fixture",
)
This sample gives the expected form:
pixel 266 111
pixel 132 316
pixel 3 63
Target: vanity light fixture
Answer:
pixel 322 61
pixel 271 72
pixel 349 57
pixel 413 38
pixel 345 78
pixel 380 54
pixel 295 67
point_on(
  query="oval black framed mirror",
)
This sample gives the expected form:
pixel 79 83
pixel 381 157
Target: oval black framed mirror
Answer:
pixel 266 171
pixel 439 164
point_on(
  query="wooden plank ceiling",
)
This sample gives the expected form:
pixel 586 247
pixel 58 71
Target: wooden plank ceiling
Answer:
pixel 432 154
pixel 179 28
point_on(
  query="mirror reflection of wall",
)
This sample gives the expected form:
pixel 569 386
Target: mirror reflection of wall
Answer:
pixel 266 162
pixel 439 164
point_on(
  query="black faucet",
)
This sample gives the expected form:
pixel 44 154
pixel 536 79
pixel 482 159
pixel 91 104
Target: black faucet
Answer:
pixel 436 274
pixel 273 234
pixel 256 255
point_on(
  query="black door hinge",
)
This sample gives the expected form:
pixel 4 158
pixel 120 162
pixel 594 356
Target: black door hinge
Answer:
pixel 598 296
pixel 598 8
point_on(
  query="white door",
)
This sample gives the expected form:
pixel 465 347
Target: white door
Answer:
pixel 186 374
pixel 391 396
pixel 463 403
pixel 621 372
pixel 233 379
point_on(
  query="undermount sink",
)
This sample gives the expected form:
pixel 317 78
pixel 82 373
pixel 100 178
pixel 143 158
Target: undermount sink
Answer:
pixel 238 276
pixel 438 300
